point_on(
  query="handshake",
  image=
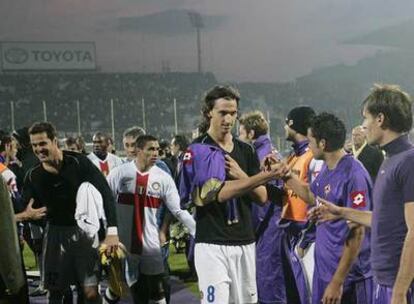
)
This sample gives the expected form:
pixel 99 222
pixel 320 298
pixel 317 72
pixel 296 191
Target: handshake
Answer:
pixel 277 167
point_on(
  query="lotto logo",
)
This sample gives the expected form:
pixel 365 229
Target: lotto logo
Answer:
pixel 358 199
pixel 188 157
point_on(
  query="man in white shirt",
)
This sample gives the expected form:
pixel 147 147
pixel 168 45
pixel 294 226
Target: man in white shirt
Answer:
pixel 101 157
pixel 141 189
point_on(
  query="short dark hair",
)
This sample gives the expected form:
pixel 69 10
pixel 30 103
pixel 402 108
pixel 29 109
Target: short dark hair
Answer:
pixel 255 121
pixel 80 142
pixel 134 132
pixel 43 126
pixel 143 140
pixel 181 141
pixel 69 141
pixel 5 139
pixel 106 136
pixel 394 104
pixel 330 128
pixel 217 92
pixel 164 144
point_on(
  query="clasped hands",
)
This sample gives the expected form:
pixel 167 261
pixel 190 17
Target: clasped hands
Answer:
pixel 278 168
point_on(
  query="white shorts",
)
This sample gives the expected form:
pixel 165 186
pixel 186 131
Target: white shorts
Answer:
pixel 308 263
pixel 226 274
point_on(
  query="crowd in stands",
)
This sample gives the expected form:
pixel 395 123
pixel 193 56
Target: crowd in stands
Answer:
pixel 337 88
pixel 94 91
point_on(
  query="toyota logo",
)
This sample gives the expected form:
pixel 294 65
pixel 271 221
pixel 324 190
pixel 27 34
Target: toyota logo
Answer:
pixel 16 55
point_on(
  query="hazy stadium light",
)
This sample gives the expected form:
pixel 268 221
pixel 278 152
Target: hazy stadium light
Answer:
pixel 12 115
pixel 143 113
pixel 197 22
pixel 112 120
pixel 175 116
pixel 44 111
pixel 78 116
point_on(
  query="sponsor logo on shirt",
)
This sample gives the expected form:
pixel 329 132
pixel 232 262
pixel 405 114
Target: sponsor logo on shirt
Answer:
pixel 153 194
pixel 141 190
pixel 126 181
pixel 188 157
pixel 156 186
pixel 327 189
pixel 358 199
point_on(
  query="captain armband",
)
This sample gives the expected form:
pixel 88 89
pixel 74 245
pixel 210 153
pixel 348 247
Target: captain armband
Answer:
pixel 208 193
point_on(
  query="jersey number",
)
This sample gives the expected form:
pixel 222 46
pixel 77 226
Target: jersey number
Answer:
pixel 210 294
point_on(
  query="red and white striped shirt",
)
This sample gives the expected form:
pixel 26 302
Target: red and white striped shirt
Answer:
pixel 140 196
pixel 105 166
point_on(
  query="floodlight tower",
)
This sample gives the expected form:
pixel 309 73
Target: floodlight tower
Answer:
pixel 197 22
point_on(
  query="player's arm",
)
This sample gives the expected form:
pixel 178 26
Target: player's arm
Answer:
pixel 172 200
pixel 357 196
pixel 405 273
pixel 283 171
pixel 30 213
pixel 237 188
pixel 326 211
pixel 300 188
pixel 259 193
pixel 165 228
pixel 333 291
pixel 27 212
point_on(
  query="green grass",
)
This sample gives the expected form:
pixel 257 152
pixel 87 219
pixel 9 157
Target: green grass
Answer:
pixel 177 261
pixel 179 268
pixel 29 259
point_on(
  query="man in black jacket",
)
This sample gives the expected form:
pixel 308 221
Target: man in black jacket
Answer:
pixel 370 156
pixel 69 255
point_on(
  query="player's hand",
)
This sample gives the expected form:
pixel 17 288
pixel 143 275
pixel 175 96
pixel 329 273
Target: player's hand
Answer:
pixel 34 213
pixel 333 293
pixel 324 211
pixel 398 297
pixel 112 243
pixel 268 161
pixel 280 170
pixel 163 237
pixel 233 169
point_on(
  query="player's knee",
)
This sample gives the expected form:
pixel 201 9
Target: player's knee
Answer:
pixel 90 294
pixel 157 293
pixel 162 301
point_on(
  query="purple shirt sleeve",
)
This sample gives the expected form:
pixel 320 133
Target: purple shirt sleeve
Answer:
pixel 406 180
pixel 358 191
pixel 202 175
pixel 186 185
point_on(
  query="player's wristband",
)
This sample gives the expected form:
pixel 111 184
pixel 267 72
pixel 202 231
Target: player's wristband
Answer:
pixel 113 230
pixel 287 176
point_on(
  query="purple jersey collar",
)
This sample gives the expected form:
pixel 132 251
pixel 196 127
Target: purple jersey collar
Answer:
pixel 398 145
pixel 262 140
pixel 300 147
